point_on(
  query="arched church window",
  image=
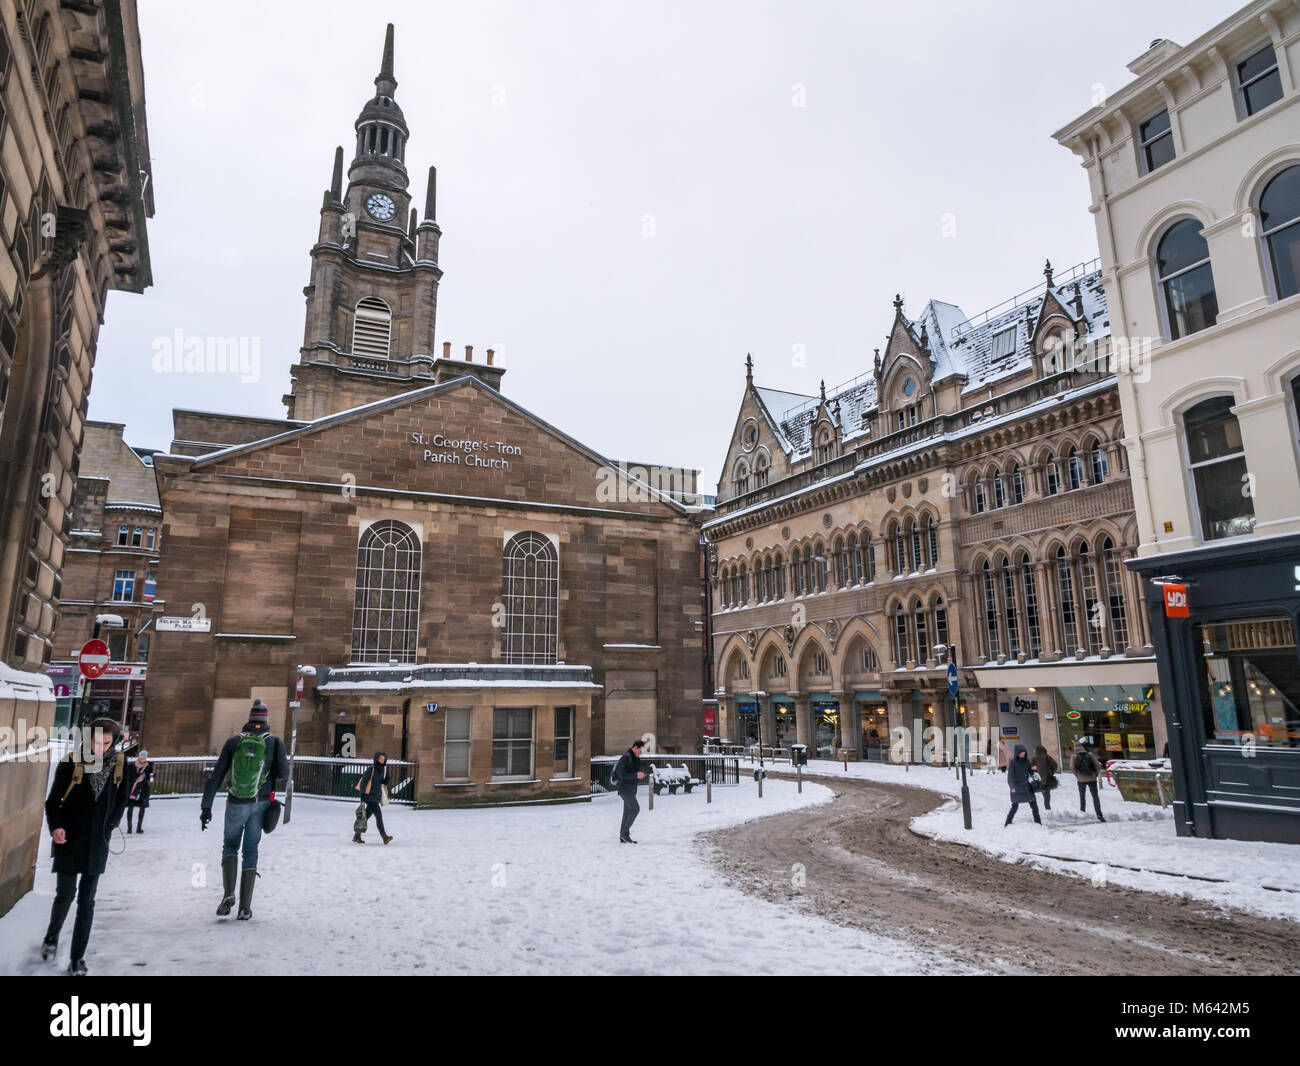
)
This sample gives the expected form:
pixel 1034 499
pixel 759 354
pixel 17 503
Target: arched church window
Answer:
pixel 386 610
pixel 372 328
pixel 531 589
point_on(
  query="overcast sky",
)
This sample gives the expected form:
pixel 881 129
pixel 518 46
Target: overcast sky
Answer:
pixel 632 195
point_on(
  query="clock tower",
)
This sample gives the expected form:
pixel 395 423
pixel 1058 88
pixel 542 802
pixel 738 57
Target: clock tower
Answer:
pixel 373 295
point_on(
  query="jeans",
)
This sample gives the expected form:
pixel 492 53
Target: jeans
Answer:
pixel 631 808
pixel 65 888
pixel 373 809
pixel 1083 799
pixel 1015 806
pixel 244 819
pixel 1047 798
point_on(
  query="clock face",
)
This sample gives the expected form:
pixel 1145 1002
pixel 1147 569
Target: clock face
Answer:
pixel 380 206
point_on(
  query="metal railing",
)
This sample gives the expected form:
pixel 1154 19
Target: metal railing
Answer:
pixel 725 768
pixel 176 776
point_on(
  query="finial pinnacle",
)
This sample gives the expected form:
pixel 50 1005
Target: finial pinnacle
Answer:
pixel 1047 273
pixel 386 83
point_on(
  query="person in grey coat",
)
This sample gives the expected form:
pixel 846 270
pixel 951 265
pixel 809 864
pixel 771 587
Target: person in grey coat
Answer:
pixel 1086 768
pixel 627 775
pixel 1018 781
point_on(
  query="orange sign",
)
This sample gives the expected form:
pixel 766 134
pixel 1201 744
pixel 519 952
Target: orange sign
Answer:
pixel 1175 601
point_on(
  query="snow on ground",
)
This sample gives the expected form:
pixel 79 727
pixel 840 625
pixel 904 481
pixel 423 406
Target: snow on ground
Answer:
pixel 1136 846
pixel 540 890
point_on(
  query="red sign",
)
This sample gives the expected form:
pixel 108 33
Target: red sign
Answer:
pixel 93 659
pixel 709 720
pixel 1175 601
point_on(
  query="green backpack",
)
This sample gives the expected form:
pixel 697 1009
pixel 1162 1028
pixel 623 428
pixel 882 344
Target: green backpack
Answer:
pixel 248 768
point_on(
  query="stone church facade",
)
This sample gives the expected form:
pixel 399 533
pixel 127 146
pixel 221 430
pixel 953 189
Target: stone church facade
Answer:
pixel 469 586
pixel 965 499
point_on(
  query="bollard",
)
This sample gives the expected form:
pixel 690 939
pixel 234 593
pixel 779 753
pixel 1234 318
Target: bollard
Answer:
pixel 798 773
pixel 708 786
pixel 846 760
pixel 651 782
pixel 760 785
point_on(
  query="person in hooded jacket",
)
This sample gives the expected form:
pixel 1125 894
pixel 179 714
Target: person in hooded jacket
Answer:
pixel 371 786
pixel 85 805
pixel 1018 781
pixel 1045 766
pixel 137 798
pixel 1086 768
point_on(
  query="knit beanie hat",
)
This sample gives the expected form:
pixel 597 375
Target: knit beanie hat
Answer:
pixel 259 712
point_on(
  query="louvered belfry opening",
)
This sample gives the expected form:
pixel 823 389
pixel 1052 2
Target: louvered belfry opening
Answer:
pixel 372 328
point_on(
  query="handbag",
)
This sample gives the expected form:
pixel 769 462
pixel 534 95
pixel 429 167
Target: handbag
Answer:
pixel 359 826
pixel 271 818
pixel 1035 782
pixel 383 795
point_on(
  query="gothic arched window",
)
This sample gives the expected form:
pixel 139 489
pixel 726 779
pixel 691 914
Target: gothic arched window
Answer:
pixel 531 589
pixel 372 328
pixel 387 606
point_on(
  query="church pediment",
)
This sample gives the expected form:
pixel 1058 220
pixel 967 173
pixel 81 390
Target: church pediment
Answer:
pixel 458 440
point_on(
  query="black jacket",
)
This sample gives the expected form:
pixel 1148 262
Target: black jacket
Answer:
pixel 132 772
pixel 276 757
pixel 626 770
pixel 88 821
pixel 375 777
pixel 1018 775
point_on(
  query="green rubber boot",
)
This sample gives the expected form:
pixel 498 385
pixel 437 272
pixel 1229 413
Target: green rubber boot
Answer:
pixel 229 868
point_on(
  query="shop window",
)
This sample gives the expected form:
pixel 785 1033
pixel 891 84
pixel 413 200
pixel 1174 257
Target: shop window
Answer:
pixel 564 741
pixel 1186 279
pixel 1218 466
pixel 387 602
pixel 124 585
pixel 1258 82
pixel 1250 683
pixel 512 742
pixel 1156 140
pixel 1279 219
pixel 456 746
pixel 531 586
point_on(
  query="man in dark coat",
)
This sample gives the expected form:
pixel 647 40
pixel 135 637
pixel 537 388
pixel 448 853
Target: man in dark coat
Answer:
pixel 627 773
pixel 371 786
pixel 1087 768
pixel 244 815
pixel 1018 781
pixel 137 798
pixel 85 805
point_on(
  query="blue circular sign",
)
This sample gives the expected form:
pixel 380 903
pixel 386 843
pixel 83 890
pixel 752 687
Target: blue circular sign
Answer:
pixel 952 679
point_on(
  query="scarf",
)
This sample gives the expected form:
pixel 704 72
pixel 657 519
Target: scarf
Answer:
pixel 141 772
pixel 99 778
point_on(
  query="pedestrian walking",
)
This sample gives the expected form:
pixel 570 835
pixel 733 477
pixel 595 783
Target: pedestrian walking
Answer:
pixel 85 805
pixel 1004 755
pixel 627 774
pixel 1018 781
pixel 1045 766
pixel 140 774
pixel 1086 768
pixel 373 787
pixel 254 765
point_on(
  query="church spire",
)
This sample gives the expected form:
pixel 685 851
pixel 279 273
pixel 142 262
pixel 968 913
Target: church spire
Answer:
pixel 385 83
pixel 381 130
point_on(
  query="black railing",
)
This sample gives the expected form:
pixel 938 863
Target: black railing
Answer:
pixel 725 768
pixel 322 778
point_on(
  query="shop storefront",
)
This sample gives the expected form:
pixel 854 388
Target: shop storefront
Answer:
pixel 65 679
pixel 1018 717
pixel 825 727
pixel 1225 628
pixel 1114 720
pixel 746 722
pixel 873 723
pixel 784 731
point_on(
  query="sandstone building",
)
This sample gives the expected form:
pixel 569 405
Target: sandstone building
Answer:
pixel 74 197
pixel 469 586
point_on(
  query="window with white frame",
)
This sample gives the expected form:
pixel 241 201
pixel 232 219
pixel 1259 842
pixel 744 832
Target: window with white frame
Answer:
pixel 1017 485
pixel 1074 466
pixel 1065 591
pixel 1051 477
pixel 149 538
pixel 137 536
pixel 512 741
pixel 999 491
pixel 900 637
pixel 386 608
pixel 1100 467
pixel 1186 279
pixel 123 534
pixel 531 588
pixel 1115 595
pixel 1218 467
pixel 979 497
pixel 1009 599
pixel 1156 141
pixel 1032 629
pixel 1279 220
pixel 1258 81
pixel 990 611
pixel 124 585
pixel 456 745
pixel 564 717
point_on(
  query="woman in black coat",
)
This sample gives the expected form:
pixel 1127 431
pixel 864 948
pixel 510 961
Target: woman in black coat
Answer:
pixel 1018 781
pixel 82 815
pixel 140 771
pixel 371 786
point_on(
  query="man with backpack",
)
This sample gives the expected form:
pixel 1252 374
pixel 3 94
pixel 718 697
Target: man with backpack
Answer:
pixel 1086 769
pixel 627 774
pixel 85 805
pixel 255 766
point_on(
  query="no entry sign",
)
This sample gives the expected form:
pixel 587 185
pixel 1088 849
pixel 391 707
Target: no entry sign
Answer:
pixel 93 659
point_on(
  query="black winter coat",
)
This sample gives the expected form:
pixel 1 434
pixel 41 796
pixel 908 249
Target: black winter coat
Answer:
pixel 1018 775
pixel 373 781
pixel 276 756
pixel 132 772
pixel 88 822
pixel 629 764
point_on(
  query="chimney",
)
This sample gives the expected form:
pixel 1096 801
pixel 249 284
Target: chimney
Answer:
pixel 469 353
pixel 491 353
pixel 446 349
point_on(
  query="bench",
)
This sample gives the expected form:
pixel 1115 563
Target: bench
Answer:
pixel 672 778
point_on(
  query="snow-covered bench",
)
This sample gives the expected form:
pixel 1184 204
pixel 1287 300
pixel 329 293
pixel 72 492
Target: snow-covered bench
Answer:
pixel 672 778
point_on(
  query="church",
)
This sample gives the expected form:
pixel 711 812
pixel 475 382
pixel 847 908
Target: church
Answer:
pixel 455 581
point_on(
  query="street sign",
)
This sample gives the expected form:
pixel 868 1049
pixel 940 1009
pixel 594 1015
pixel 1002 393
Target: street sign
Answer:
pixel 62 692
pixel 93 659
pixel 182 624
pixel 432 708
pixel 952 679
